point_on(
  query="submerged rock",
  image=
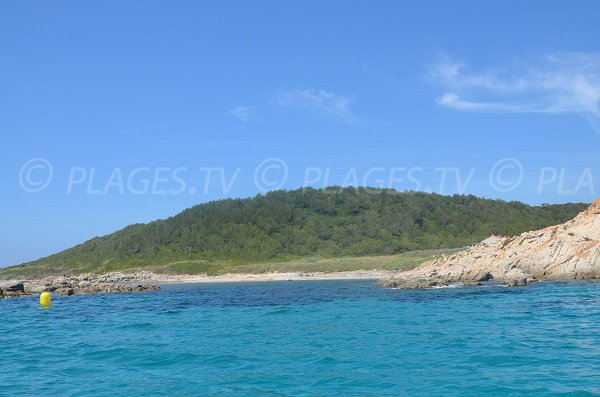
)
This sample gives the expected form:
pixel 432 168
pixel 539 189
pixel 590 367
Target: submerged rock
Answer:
pixel 517 282
pixel 562 252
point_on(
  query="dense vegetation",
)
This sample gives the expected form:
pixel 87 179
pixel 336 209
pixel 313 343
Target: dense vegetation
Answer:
pixel 329 222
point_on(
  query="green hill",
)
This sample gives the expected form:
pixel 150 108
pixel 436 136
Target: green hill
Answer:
pixel 287 225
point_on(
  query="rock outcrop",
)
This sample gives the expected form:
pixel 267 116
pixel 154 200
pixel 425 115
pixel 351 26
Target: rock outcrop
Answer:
pixel 80 284
pixel 562 252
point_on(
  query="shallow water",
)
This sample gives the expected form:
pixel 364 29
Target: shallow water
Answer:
pixel 309 338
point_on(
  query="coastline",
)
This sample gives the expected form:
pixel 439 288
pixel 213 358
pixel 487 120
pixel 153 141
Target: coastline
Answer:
pixel 86 284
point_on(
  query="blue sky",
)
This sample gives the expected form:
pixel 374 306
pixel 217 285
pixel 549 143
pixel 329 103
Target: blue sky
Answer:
pixel 114 113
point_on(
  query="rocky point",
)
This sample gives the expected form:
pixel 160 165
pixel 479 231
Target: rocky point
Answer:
pixel 562 252
pixel 79 284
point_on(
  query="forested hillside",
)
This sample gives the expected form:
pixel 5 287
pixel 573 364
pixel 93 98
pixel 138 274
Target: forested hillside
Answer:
pixel 308 222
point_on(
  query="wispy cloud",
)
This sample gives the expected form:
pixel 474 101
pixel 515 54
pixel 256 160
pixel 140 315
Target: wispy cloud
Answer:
pixel 557 83
pixel 321 102
pixel 243 113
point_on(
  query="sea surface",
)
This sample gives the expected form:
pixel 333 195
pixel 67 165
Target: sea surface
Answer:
pixel 308 338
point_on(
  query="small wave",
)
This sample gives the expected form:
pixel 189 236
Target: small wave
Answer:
pixel 448 286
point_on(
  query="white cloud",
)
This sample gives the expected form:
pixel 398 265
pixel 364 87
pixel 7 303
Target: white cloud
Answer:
pixel 453 100
pixel 243 113
pixel 320 101
pixel 558 83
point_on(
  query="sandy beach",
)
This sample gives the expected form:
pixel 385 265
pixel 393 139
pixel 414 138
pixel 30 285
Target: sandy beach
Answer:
pixel 291 276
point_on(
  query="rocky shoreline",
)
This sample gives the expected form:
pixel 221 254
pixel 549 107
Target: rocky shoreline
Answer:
pixel 79 284
pixel 563 252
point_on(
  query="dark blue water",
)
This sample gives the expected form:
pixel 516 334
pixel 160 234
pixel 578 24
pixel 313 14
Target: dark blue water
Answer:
pixel 313 338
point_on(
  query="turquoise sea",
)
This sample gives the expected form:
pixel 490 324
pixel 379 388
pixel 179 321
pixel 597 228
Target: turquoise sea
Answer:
pixel 310 338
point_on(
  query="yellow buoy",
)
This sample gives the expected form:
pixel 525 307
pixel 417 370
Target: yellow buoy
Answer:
pixel 45 299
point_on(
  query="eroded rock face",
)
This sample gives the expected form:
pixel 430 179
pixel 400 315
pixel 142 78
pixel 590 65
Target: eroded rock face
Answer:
pixel 77 285
pixel 562 252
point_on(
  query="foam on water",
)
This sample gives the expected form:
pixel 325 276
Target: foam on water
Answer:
pixel 312 338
